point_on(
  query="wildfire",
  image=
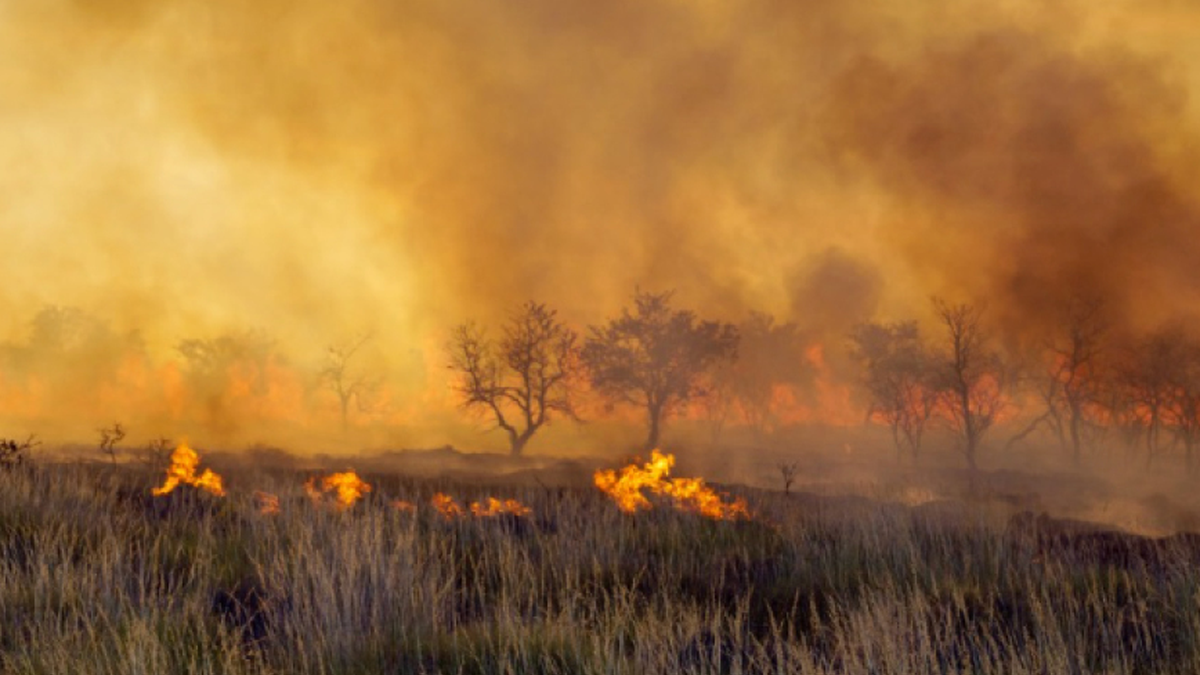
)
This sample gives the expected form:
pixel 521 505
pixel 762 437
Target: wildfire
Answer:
pixel 449 508
pixel 266 503
pixel 495 507
pixel 184 462
pixel 446 505
pixel 346 487
pixel 689 494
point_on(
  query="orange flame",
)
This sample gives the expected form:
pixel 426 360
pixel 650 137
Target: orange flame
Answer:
pixel 446 505
pixel 266 503
pixel 347 487
pixel 495 507
pixel 689 494
pixel 184 462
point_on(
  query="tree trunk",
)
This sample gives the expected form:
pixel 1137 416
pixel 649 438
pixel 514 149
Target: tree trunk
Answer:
pixel 1076 444
pixel 1152 440
pixel 517 444
pixel 655 414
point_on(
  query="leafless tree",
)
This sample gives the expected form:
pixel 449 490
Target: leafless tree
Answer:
pixel 1148 380
pixel 655 357
pixel 787 471
pixel 523 381
pixel 213 364
pixel 13 453
pixel 156 454
pixel 109 438
pixel 1073 385
pixel 346 379
pixel 770 355
pixel 972 377
pixel 900 378
pixel 1182 412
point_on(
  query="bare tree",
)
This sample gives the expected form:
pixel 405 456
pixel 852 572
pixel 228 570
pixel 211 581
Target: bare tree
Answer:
pixel 972 377
pixel 787 471
pixel 347 381
pixel 899 377
pixel 109 438
pixel 1148 381
pixel 523 381
pixel 655 357
pixel 1183 408
pixel 213 365
pixel 156 454
pixel 770 355
pixel 1072 387
pixel 13 453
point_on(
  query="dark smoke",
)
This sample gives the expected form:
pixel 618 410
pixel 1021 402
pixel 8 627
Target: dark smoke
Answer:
pixel 1034 174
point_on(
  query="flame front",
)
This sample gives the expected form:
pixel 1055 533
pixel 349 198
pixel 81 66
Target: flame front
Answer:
pixel 492 508
pixel 184 462
pixel 689 494
pixel 495 507
pixel 346 487
pixel 446 505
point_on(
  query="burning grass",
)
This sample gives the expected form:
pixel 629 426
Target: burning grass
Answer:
pixel 89 583
pixel 628 487
pixel 182 471
pixel 344 489
pixel 448 508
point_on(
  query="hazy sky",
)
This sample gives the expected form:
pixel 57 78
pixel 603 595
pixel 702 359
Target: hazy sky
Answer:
pixel 314 168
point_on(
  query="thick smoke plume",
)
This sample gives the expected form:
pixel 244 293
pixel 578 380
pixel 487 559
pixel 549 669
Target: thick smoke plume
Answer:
pixel 1035 173
pixel 310 171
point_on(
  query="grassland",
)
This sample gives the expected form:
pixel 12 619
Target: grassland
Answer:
pixel 96 576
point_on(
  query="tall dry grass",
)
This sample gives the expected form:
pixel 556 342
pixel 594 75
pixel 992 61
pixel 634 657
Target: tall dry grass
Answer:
pixel 98 577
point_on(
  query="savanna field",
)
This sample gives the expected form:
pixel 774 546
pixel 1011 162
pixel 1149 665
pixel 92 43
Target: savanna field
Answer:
pixel 609 337
pixel 286 572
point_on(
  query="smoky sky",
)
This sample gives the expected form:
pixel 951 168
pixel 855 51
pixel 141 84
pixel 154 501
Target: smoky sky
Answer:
pixel 314 170
pixel 1057 174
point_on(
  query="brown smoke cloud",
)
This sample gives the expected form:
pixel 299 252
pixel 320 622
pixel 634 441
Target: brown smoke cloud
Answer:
pixel 1037 173
pixel 314 170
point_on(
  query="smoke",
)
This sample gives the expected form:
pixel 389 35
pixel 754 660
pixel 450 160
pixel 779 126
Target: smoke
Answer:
pixel 1037 174
pixel 834 293
pixel 312 170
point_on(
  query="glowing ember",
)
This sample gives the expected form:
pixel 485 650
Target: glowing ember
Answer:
pixel 266 503
pixel 495 507
pixel 446 505
pixel 347 488
pixel 184 462
pixel 689 494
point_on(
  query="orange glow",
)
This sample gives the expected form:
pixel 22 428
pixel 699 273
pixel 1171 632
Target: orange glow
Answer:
pixel 404 506
pixel 446 505
pixel 347 488
pixel 184 462
pixel 266 503
pixel 834 405
pixel 495 507
pixel 688 494
pixel 449 508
